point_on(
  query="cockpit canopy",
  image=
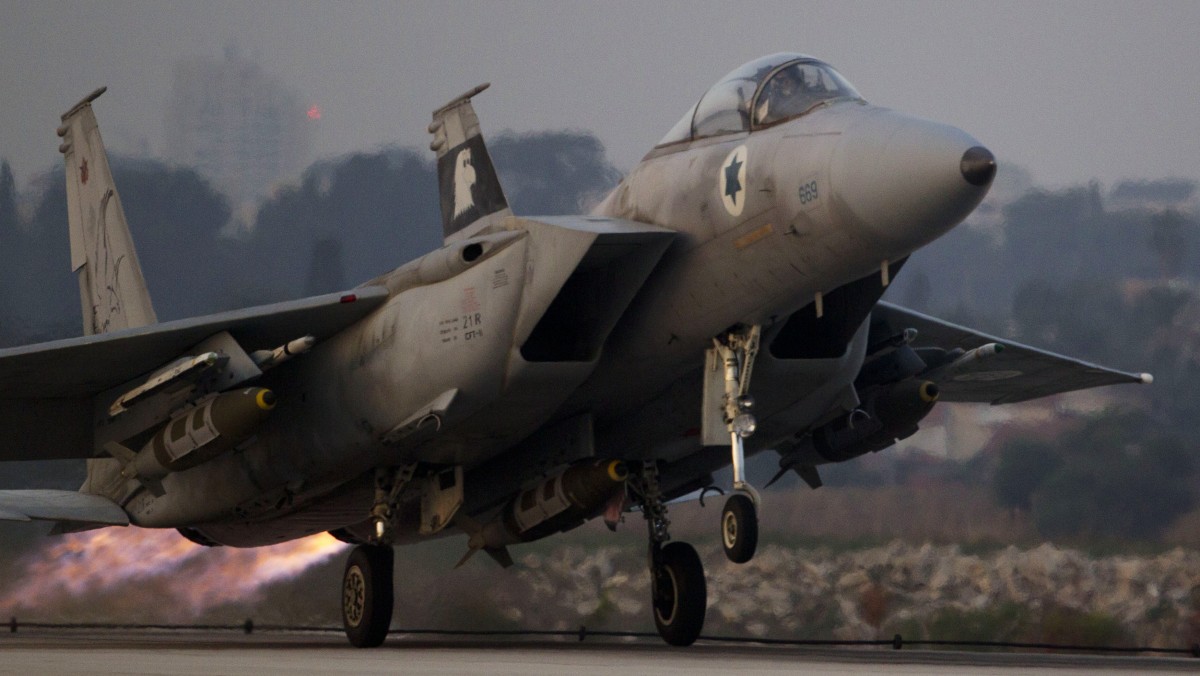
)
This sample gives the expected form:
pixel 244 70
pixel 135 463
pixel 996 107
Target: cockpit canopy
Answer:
pixel 761 93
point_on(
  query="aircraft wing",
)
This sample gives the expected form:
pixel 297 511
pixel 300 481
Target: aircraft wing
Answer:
pixel 48 505
pixel 46 389
pixel 1013 373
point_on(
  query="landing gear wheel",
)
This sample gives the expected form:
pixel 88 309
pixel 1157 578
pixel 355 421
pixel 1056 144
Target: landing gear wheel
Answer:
pixel 367 595
pixel 679 594
pixel 739 528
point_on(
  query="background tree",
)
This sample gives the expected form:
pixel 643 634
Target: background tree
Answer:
pixel 1022 467
pixel 552 173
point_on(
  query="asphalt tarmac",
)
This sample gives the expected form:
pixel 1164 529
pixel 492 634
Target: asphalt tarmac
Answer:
pixel 34 651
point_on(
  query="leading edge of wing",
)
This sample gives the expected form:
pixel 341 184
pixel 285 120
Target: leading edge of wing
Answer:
pixel 81 367
pixel 1019 373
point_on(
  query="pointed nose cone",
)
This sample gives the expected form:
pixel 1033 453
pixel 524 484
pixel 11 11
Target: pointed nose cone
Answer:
pixel 901 181
pixel 978 166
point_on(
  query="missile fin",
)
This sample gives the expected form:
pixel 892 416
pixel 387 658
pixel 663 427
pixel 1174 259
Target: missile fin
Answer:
pixel 778 476
pixel 121 453
pixel 806 472
pixel 154 486
pixel 810 475
pixel 500 555
pixel 474 531
pixel 126 457
pixel 466 557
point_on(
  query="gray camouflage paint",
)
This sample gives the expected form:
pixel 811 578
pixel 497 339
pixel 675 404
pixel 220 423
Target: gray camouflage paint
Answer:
pixel 521 325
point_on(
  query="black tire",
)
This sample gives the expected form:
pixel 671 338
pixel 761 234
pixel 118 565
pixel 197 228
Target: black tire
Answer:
pixel 679 594
pixel 739 528
pixel 367 595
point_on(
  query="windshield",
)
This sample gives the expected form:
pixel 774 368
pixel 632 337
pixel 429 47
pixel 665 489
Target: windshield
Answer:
pixel 796 88
pixel 779 86
pixel 682 131
pixel 726 106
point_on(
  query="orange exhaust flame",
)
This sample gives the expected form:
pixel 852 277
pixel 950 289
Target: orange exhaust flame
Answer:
pixel 193 578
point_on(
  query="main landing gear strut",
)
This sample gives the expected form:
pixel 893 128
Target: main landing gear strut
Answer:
pixel 367 583
pixel 739 519
pixel 678 593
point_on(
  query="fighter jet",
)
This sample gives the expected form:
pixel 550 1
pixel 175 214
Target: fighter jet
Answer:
pixel 534 373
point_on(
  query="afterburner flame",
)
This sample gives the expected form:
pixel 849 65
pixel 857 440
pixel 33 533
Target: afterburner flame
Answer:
pixel 194 578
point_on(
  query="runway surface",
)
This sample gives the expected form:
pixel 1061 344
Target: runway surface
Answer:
pixel 186 652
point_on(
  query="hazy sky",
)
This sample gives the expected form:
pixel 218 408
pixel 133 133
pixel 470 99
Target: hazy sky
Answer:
pixel 1069 90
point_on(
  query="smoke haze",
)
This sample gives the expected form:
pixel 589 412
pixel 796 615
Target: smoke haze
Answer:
pixel 1074 90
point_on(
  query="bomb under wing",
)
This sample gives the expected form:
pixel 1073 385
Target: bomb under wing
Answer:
pixel 196 436
pixel 557 504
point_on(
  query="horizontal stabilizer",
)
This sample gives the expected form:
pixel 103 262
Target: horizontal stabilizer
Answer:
pixel 49 505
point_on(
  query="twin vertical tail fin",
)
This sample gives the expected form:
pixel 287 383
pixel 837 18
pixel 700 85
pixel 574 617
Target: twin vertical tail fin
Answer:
pixel 111 288
pixel 470 190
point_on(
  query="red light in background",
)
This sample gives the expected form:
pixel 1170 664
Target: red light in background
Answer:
pixel 314 112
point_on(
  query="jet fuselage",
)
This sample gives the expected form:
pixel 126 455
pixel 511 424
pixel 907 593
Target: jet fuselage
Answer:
pixel 764 222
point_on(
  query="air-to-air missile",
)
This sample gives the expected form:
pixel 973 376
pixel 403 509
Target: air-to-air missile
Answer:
pixel 557 504
pixel 196 435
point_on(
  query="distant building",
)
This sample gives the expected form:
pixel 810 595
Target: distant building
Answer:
pixel 242 128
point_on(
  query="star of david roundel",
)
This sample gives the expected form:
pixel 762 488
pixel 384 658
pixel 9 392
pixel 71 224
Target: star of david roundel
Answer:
pixel 731 181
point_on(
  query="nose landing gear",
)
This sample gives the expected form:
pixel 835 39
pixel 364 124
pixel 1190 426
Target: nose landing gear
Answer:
pixel 736 351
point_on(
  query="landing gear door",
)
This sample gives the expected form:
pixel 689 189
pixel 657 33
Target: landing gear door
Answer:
pixel 441 499
pixel 714 431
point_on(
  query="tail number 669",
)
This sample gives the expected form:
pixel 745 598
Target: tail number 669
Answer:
pixel 808 192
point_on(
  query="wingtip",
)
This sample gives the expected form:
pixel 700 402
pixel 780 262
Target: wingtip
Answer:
pixel 1146 378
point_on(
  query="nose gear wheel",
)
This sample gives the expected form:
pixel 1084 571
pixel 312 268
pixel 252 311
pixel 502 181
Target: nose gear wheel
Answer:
pixel 739 528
